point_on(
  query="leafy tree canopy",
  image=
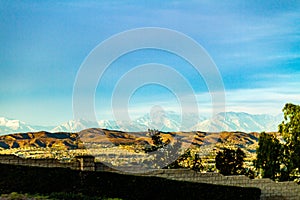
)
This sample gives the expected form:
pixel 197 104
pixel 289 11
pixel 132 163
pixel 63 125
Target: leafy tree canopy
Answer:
pixel 290 131
pixel 269 155
pixel 230 162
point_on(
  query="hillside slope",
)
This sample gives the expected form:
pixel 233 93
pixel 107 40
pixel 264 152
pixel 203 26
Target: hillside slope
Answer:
pixel 105 137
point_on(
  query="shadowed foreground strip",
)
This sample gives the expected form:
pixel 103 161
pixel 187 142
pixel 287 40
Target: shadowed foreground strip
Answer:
pixel 105 184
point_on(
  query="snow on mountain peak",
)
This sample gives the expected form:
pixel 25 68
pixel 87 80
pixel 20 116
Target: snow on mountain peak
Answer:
pixel 13 125
pixel 168 121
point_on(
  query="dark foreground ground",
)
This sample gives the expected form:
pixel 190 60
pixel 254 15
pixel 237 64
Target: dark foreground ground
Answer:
pixel 70 184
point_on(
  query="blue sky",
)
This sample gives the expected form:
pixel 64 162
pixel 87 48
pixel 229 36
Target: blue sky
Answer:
pixel 254 44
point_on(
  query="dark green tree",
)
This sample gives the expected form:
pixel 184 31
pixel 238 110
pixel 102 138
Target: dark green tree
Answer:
pixel 290 131
pixel 189 160
pixel 157 141
pixel 230 162
pixel 268 155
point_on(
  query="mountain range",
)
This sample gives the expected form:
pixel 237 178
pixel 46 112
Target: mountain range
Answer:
pixel 167 121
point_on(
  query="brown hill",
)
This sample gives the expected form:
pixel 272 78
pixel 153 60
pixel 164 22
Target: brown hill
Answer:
pixel 39 139
pixel 104 136
pixel 116 147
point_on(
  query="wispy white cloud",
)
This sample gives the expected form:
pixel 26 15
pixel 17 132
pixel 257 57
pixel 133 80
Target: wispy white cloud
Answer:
pixel 253 101
pixel 261 101
pixel 285 56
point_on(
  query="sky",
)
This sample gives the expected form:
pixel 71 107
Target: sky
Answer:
pixel 255 46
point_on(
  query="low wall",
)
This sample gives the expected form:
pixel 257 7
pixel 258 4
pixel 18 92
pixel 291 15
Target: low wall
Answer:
pixel 15 160
pixel 270 189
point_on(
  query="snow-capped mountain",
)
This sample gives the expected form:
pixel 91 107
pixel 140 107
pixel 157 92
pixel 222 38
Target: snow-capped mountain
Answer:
pixel 13 126
pixel 165 121
pixel 233 121
pixel 108 124
pixel 75 125
pixel 169 121
pixel 78 125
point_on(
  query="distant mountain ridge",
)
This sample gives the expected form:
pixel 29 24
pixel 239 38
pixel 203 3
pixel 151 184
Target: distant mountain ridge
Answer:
pixel 13 125
pixel 240 121
pixel 167 121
